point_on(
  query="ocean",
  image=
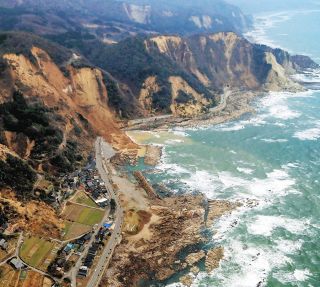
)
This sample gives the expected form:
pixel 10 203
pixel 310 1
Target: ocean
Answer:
pixel 272 158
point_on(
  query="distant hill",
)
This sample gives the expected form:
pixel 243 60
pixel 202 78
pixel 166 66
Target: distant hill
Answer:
pixel 113 20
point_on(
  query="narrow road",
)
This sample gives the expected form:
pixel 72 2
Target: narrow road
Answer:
pixel 223 102
pixel 72 274
pixel 148 120
pixel 103 153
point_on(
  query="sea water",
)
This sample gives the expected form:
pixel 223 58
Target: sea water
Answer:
pixel 271 158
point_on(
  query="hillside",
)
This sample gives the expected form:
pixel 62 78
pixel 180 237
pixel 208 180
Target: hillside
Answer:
pixel 183 75
pixel 52 107
pixel 55 101
pixel 112 20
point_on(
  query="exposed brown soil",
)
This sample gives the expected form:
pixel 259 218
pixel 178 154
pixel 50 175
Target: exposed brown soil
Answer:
pixel 33 217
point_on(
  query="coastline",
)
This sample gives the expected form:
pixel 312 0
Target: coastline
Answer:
pixel 165 236
pixel 237 104
pixel 165 228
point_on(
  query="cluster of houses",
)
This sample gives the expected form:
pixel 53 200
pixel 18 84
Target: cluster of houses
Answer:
pixel 102 234
pixel 89 178
pixel 95 186
pixel 62 262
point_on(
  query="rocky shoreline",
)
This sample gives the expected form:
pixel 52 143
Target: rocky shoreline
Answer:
pixel 236 105
pixel 168 227
pixel 155 253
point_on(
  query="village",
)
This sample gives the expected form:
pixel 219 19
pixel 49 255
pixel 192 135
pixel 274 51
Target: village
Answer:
pixel 88 210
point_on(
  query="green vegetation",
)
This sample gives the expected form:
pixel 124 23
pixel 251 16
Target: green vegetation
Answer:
pixel 184 98
pixel 18 175
pixel 81 214
pixel 82 198
pixel 36 251
pixel 74 230
pixel 22 42
pixel 90 216
pixel 40 124
pixel 34 122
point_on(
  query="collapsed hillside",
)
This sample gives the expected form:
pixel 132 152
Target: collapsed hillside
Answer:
pixel 52 107
pixel 183 76
pixel 54 101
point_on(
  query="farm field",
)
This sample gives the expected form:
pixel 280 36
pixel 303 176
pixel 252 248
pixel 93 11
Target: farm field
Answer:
pixel 74 229
pixel 81 198
pixel 33 279
pixel 81 214
pixel 8 276
pixel 38 252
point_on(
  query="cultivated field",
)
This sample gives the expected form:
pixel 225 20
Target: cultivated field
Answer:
pixel 84 199
pixel 38 252
pixel 8 276
pixel 81 214
pixel 33 279
pixel 74 229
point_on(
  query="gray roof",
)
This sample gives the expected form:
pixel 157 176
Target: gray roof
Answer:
pixel 17 263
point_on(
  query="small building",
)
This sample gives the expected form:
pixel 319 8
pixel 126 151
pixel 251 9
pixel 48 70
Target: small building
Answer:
pixel 107 225
pixel 87 237
pixel 16 263
pixel 3 244
pixel 68 248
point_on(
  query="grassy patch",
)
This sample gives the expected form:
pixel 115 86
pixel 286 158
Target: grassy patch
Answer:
pixel 38 252
pixel 74 230
pixel 81 214
pixel 84 199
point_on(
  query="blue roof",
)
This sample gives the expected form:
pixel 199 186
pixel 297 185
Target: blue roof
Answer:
pixel 107 225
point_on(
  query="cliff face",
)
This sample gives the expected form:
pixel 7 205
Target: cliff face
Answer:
pixel 226 59
pixel 50 114
pixel 183 75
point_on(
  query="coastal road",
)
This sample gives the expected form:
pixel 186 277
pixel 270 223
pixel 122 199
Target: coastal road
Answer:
pixel 73 272
pixel 103 153
pixel 223 102
pixel 148 120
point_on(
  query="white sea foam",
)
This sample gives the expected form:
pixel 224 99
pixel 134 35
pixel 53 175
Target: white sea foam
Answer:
pixel 173 141
pixel 288 246
pixel 308 134
pixel 265 225
pixel 245 170
pixel 276 105
pixel 235 127
pixel 274 140
pixel 180 132
pixel 276 183
pixel 297 277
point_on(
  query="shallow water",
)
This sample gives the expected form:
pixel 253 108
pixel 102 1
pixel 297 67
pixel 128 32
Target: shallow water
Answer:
pixel 272 157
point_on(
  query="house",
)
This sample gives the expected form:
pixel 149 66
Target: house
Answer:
pixel 68 248
pixel 16 263
pixel 3 244
pixel 87 237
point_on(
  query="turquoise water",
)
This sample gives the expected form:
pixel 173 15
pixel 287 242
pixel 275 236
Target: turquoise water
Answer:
pixel 271 158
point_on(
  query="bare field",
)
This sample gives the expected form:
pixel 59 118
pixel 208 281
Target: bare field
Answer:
pixel 8 276
pixel 34 279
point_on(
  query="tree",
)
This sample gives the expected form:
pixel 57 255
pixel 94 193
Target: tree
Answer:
pixel 113 204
